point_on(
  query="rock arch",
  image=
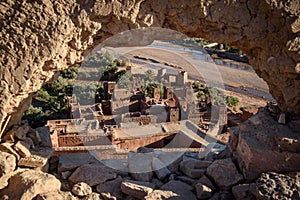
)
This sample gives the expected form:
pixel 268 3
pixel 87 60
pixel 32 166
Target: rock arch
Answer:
pixel 39 38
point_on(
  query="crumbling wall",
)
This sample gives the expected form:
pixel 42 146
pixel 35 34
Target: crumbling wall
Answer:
pixel 39 38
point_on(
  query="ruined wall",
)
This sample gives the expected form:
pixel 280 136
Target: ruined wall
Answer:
pixel 39 38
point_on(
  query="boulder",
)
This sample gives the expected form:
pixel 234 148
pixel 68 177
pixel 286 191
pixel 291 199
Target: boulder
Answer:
pixel 224 173
pixel 262 145
pixel 203 191
pixel 57 195
pixel 28 184
pixel 160 169
pixel 22 148
pixel 92 174
pixel 194 168
pixel 272 185
pixel 162 195
pixel 81 189
pixel 244 191
pixel 68 162
pixel 111 187
pixel 183 190
pixel 140 166
pixel 137 189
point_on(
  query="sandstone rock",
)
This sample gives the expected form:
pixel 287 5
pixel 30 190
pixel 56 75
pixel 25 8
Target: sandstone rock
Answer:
pixel 244 191
pixel 194 168
pixel 57 195
pixel 7 163
pixel 160 169
pixel 182 189
pixel 92 174
pixel 137 189
pixel 22 148
pixel 92 196
pixel 277 186
pixel 162 195
pixel 7 147
pixel 224 173
pixel 28 184
pixel 33 161
pixel 69 162
pixel 139 165
pixel 112 187
pixel 157 183
pixel 81 189
pixel 203 191
pixel 206 181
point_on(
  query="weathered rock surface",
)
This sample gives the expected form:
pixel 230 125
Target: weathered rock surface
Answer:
pixel 137 189
pixel 111 188
pixel 278 186
pixel 81 189
pixel 57 195
pixel 7 163
pixel 92 174
pixel 39 39
pixel 224 173
pixel 28 184
pixel 244 191
pixel 92 196
pixel 258 146
pixel 183 190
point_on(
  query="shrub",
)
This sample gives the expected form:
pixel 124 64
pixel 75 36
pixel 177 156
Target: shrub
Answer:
pixel 232 101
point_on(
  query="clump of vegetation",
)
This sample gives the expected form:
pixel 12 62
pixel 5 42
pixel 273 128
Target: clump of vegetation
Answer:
pixel 69 73
pixel 203 93
pixel 148 87
pixel 232 101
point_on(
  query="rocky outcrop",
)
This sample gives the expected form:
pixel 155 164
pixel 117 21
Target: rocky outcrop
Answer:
pixel 40 38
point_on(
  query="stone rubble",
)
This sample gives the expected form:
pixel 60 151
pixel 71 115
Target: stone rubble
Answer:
pixel 81 176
